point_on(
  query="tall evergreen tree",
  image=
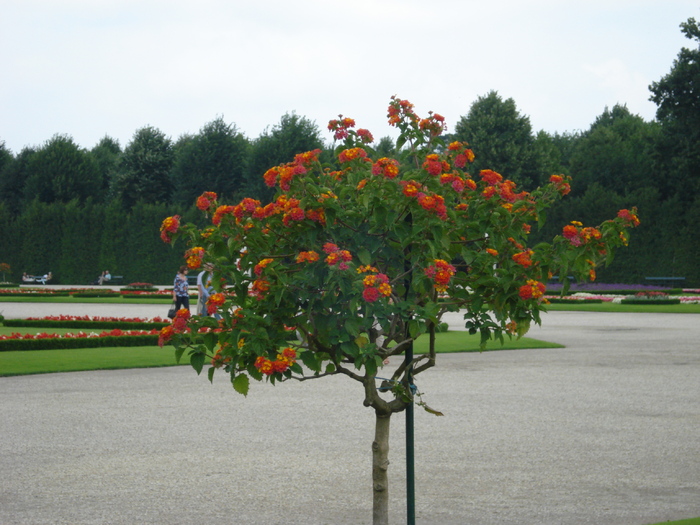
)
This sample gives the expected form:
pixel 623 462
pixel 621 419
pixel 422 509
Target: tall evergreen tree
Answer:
pixel 144 169
pixel 293 134
pixel 502 139
pixel 212 160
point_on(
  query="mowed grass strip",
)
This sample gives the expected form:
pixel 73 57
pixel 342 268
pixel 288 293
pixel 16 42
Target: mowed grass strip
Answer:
pixel 112 358
pixel 626 308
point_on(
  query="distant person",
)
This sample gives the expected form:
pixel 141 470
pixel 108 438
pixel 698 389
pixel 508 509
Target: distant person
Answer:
pixel 27 278
pixel 204 288
pixel 45 278
pixel 181 293
pixel 106 276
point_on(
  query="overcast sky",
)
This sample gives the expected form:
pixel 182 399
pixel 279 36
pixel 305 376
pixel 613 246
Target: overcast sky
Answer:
pixel 90 68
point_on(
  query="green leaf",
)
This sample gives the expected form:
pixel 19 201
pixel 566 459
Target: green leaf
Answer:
pixel 178 353
pixel 210 340
pixel 211 374
pixel 197 361
pixel 241 383
pixel 414 328
pixel 364 256
pixel 310 361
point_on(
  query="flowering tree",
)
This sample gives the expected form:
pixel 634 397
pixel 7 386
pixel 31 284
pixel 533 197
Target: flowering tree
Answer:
pixel 362 260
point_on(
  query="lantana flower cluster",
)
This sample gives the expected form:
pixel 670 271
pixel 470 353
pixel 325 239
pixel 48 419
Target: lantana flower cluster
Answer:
pixel 285 359
pixel 440 272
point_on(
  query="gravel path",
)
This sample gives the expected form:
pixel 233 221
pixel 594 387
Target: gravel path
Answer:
pixel 604 432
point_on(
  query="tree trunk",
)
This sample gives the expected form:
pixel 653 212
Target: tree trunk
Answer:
pixel 380 465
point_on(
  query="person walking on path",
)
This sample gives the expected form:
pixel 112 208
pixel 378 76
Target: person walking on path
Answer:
pixel 181 294
pixel 204 288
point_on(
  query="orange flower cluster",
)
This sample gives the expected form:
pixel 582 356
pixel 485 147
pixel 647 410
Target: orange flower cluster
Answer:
pixel 629 216
pixel 387 167
pixel 286 172
pixel 491 251
pixel 169 227
pixel 434 202
pixel 336 256
pixel 434 165
pixel 194 257
pixel 531 290
pixel 259 289
pixel 348 155
pixel 434 124
pixel 311 256
pixel 561 183
pixel 365 136
pixel 524 258
pixel 258 270
pixel 178 326
pixel 284 360
pixel 215 301
pixel 207 200
pixel 491 177
pixel 458 183
pixel 401 110
pixel 441 272
pixel 376 285
pixel 462 154
pixel 577 235
pixel 340 127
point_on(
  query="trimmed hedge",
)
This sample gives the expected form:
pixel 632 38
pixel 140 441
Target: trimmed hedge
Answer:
pixel 650 301
pixel 98 325
pixel 561 300
pixel 14 345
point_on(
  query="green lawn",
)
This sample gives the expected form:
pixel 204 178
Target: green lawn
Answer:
pixel 47 361
pixel 690 521
pixel 75 300
pixel 630 308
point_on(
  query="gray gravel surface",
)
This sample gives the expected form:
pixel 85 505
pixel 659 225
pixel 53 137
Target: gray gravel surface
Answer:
pixel 605 431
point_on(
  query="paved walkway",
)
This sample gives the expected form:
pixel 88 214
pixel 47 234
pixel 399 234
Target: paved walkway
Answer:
pixel 604 432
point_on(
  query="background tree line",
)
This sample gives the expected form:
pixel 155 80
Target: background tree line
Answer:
pixel 76 211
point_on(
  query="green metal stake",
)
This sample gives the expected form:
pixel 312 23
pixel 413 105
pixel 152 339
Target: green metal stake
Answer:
pixel 410 457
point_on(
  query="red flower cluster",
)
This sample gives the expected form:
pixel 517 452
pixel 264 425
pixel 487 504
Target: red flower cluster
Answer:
pixel 169 227
pixel 336 256
pixel 458 183
pixel 311 256
pixel 376 286
pixel 194 257
pixel 284 360
pixel 78 335
pixel 462 154
pixel 387 167
pixel 577 235
pixel 524 258
pixel 441 272
pixel 259 289
pixel 214 302
pixel 435 124
pixel 258 270
pixel 531 290
pixel 340 127
pixel 629 216
pixel 286 172
pixel 207 201
pixel 561 183
pixel 401 110
pixel 348 155
pixel 434 165
pixel 491 177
